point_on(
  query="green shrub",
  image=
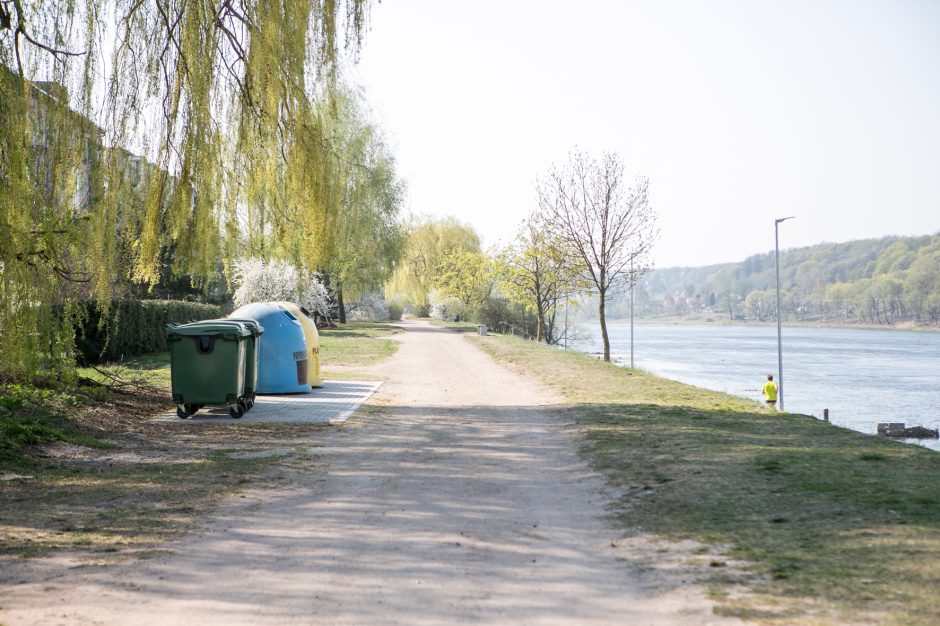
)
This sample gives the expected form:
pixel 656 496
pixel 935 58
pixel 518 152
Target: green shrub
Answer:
pixel 16 433
pixel 394 312
pixel 23 422
pixel 132 327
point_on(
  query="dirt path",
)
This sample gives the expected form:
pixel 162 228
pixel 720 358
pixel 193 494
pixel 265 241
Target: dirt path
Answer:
pixel 458 498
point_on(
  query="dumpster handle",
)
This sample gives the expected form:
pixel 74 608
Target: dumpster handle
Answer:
pixel 204 343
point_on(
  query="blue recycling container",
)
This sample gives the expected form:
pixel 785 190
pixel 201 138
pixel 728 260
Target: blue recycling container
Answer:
pixel 282 360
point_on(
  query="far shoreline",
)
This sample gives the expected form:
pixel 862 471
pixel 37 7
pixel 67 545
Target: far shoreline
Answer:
pixel 712 321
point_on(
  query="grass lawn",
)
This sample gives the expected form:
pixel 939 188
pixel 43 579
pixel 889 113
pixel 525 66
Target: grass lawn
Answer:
pixel 149 369
pixel 460 327
pixel 820 524
pixel 356 343
pixel 353 344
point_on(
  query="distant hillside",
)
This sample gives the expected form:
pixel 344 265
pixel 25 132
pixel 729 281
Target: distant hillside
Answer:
pixel 878 281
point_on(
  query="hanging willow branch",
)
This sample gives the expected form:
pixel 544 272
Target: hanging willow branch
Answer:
pixel 20 32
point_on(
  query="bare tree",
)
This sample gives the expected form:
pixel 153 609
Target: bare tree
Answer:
pixel 610 228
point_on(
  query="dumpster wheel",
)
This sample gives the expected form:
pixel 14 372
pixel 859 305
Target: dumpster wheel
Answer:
pixel 236 410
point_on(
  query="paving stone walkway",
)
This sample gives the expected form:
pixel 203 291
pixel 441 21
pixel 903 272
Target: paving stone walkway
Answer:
pixel 331 404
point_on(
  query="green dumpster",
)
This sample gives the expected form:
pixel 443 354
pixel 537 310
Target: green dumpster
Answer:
pixel 207 365
pixel 251 357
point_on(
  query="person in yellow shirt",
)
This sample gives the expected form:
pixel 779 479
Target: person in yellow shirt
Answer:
pixel 770 391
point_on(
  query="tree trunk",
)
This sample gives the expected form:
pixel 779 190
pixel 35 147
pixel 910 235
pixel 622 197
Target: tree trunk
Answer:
pixel 603 316
pixel 550 338
pixel 340 305
pixel 539 322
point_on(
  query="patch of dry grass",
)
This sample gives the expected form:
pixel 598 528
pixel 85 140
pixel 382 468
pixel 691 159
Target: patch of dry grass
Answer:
pixel 141 490
pixel 84 468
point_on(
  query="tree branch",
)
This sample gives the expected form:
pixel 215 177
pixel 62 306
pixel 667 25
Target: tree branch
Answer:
pixel 20 32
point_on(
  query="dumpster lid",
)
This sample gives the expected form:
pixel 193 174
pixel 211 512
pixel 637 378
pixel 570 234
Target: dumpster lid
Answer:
pixel 253 325
pixel 210 327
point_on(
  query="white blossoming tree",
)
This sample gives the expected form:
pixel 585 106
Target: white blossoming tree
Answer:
pixel 313 295
pixel 259 281
pixel 370 308
pixel 442 306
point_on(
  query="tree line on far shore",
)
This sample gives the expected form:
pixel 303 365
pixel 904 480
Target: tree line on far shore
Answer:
pixel 871 281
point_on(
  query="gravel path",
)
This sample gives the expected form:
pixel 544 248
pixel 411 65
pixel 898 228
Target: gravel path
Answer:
pixel 458 498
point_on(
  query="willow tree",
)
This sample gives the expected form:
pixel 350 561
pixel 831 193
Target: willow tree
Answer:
pixel 426 246
pixel 222 100
pixel 365 241
pixel 44 221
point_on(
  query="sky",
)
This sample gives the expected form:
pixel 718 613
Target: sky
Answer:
pixel 738 112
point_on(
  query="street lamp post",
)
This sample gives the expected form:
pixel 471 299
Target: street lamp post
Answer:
pixel 632 283
pixel 779 334
pixel 566 320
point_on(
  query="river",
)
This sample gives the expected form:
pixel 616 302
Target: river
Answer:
pixel 863 376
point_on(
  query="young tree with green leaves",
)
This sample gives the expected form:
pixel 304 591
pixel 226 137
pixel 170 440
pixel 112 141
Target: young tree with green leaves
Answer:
pixel 537 271
pixel 467 276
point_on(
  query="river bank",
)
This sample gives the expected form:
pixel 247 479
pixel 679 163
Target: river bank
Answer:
pixel 715 320
pixel 863 376
pixel 817 524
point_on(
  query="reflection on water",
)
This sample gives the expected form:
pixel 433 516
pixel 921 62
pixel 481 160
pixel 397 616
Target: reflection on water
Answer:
pixel 862 376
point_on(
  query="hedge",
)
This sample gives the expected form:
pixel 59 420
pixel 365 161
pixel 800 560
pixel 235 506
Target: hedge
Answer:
pixel 132 327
